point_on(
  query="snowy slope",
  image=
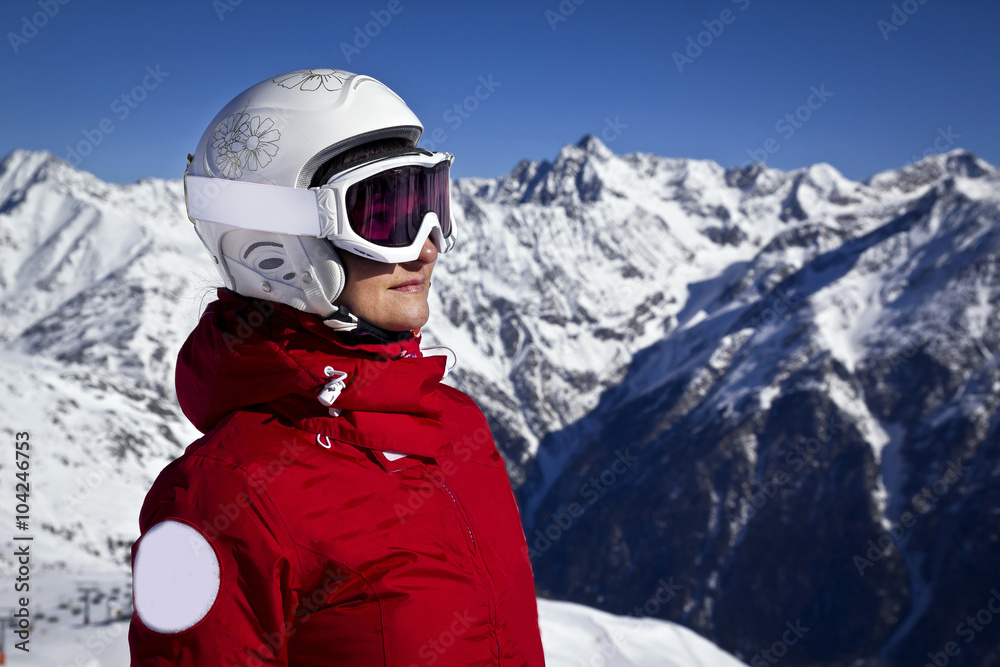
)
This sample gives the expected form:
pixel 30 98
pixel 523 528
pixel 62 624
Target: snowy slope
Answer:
pixel 575 635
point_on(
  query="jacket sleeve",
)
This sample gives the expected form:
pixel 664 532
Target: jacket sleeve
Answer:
pixel 214 571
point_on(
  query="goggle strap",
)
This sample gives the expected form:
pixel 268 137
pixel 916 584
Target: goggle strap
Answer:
pixel 258 206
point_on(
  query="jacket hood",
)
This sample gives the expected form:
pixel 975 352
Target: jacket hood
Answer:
pixel 246 352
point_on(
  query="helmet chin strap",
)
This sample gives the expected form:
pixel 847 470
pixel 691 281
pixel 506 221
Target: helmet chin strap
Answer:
pixel 342 319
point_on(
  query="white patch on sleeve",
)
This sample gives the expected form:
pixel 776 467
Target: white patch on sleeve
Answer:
pixel 175 578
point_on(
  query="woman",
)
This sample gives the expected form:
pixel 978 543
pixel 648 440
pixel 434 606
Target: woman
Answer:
pixel 344 507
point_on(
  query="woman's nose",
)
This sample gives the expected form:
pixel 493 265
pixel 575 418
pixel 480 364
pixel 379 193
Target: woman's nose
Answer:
pixel 428 252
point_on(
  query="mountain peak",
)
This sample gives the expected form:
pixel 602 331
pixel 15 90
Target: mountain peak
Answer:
pixel 956 162
pixel 20 160
pixel 594 146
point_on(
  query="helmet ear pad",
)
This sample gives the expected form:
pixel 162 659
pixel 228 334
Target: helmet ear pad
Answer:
pixel 327 267
pixel 300 271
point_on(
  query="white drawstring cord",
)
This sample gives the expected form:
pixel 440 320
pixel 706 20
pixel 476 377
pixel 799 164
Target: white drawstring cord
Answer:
pixel 450 354
pixel 331 391
pixel 328 444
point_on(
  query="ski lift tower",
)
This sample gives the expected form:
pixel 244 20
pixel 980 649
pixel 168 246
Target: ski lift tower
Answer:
pixel 85 589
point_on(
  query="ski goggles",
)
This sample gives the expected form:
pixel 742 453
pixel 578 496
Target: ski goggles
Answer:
pixel 384 210
pixel 393 205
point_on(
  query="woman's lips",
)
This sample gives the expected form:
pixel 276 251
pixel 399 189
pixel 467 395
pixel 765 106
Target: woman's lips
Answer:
pixel 416 286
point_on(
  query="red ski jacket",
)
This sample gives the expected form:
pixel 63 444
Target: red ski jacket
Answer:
pixel 380 530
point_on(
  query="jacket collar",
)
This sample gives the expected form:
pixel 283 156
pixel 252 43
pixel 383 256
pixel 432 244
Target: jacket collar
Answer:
pixel 245 352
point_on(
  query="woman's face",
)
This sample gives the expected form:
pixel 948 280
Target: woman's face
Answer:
pixel 390 296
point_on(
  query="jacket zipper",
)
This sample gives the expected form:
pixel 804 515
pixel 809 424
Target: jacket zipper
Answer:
pixel 482 561
pixel 464 520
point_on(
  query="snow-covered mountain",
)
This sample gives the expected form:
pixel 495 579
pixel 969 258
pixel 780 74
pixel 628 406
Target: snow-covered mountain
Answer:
pixel 728 379
pixel 815 437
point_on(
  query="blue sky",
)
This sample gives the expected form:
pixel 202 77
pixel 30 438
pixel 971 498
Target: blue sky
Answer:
pixel 863 85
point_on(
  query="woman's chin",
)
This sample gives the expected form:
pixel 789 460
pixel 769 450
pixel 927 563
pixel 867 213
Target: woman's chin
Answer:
pixel 405 318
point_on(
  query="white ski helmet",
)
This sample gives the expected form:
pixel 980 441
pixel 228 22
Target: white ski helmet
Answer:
pixel 278 133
